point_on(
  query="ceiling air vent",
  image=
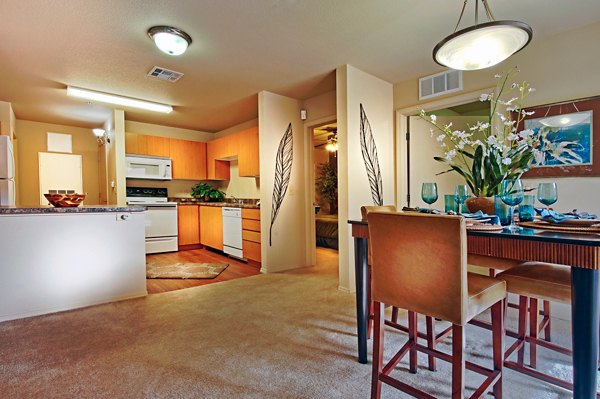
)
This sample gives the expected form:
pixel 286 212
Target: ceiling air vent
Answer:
pixel 165 74
pixel 440 84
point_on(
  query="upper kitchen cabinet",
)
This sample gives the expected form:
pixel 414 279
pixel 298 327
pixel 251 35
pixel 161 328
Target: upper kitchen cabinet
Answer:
pixel 248 158
pixel 158 146
pixel 243 146
pixel 136 144
pixel 189 159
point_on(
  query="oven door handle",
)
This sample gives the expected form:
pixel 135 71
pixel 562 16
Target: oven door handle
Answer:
pixel 159 239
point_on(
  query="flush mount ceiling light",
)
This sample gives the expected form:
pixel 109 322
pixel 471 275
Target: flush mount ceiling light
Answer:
pixel 117 100
pixel 482 45
pixel 102 136
pixel 170 40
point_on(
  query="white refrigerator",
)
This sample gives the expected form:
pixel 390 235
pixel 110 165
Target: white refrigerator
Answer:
pixel 7 172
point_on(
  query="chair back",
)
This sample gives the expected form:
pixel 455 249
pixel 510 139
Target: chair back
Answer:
pixel 420 263
pixel 364 210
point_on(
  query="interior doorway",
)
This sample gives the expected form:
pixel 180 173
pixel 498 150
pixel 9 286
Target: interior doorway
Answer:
pixel 324 186
pixel 422 147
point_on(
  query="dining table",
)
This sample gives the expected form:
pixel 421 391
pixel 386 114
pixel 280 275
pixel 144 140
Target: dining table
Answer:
pixel 580 251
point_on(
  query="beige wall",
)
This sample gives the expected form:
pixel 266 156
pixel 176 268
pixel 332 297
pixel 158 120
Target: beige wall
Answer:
pixel 288 249
pixel 167 131
pixel 560 68
pixel 355 87
pixel 318 107
pixel 235 129
pixel 237 186
pixel 32 139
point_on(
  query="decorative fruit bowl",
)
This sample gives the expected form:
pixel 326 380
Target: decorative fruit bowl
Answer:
pixel 65 200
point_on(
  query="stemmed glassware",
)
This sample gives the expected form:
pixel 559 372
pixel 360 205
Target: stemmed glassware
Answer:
pixel 547 194
pixel 461 193
pixel 512 195
pixel 429 193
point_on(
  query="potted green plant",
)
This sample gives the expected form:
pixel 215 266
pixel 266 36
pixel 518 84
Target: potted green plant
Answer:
pixel 490 151
pixel 327 185
pixel 207 193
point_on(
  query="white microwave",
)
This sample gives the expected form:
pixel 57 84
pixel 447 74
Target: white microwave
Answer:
pixel 149 168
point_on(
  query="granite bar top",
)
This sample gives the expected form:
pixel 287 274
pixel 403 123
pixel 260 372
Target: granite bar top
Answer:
pixel 18 210
pixel 193 201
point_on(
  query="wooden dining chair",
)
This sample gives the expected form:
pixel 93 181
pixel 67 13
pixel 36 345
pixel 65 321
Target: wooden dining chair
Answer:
pixel 534 281
pixel 420 264
pixel 430 335
pixel 496 265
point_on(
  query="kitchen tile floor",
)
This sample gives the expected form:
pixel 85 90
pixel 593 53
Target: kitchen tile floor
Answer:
pixel 235 270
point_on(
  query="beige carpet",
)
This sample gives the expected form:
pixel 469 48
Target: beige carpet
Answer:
pixel 185 270
pixel 269 336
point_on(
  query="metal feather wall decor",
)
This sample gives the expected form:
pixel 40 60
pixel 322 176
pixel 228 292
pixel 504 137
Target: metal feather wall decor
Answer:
pixel 283 171
pixel 369 153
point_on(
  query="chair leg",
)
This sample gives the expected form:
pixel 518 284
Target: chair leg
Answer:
pixel 431 341
pixel 533 330
pixel 498 343
pixel 377 350
pixel 458 362
pixel 394 314
pixel 371 306
pixel 522 328
pixel 547 318
pixel 412 338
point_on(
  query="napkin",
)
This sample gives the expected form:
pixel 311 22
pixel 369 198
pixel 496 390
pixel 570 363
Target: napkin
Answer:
pixel 556 217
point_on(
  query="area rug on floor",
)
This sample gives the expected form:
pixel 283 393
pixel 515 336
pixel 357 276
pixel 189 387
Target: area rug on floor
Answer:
pixel 185 270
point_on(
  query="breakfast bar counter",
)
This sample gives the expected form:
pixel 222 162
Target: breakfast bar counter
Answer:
pixel 56 259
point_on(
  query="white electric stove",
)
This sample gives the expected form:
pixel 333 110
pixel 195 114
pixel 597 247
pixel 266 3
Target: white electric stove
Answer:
pixel 161 218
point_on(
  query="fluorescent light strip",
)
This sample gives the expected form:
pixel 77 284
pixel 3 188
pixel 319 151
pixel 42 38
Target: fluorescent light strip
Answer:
pixel 118 100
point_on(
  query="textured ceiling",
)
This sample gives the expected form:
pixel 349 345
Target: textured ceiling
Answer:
pixel 240 47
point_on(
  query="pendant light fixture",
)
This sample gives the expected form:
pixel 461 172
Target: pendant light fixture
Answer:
pixel 170 40
pixel 565 120
pixel 483 44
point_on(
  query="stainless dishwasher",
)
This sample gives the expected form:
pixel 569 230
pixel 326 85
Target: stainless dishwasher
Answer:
pixel 232 231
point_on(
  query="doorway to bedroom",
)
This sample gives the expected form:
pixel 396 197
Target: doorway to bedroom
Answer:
pixel 325 186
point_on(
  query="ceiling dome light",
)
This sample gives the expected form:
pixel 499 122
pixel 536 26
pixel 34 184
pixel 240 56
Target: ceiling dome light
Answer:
pixel 98 132
pixel 170 40
pixel 482 45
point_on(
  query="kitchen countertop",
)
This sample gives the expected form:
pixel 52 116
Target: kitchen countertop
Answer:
pixel 188 201
pixel 18 210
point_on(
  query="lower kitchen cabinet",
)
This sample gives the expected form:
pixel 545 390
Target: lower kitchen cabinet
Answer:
pixel 188 224
pixel 251 234
pixel 211 227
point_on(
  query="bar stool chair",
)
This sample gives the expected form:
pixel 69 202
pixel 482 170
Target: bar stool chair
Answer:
pixel 430 336
pixel 495 265
pixel 420 264
pixel 533 281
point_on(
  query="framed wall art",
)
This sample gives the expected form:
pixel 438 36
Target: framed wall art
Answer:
pixel 566 142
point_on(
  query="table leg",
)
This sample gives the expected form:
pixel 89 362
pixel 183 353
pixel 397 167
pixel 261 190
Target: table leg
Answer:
pixel 360 264
pixel 584 319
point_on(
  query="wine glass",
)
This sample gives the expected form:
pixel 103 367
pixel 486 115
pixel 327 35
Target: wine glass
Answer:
pixel 547 194
pixel 512 195
pixel 429 193
pixel 461 193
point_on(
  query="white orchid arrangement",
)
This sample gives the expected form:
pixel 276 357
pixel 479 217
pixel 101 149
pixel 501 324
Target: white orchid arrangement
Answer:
pixel 494 150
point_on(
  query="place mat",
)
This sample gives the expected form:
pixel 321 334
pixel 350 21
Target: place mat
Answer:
pixel 185 270
pixel 560 227
pixel 575 222
pixel 484 227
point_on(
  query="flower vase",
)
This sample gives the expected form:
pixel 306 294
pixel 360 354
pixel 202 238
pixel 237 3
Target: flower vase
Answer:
pixel 483 204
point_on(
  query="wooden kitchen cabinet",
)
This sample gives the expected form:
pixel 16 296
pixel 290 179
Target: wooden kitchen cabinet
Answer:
pixel 243 146
pixel 251 247
pixel 216 169
pixel 136 144
pixel 158 146
pixel 189 159
pixel 211 227
pixel 188 224
pixel 248 154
